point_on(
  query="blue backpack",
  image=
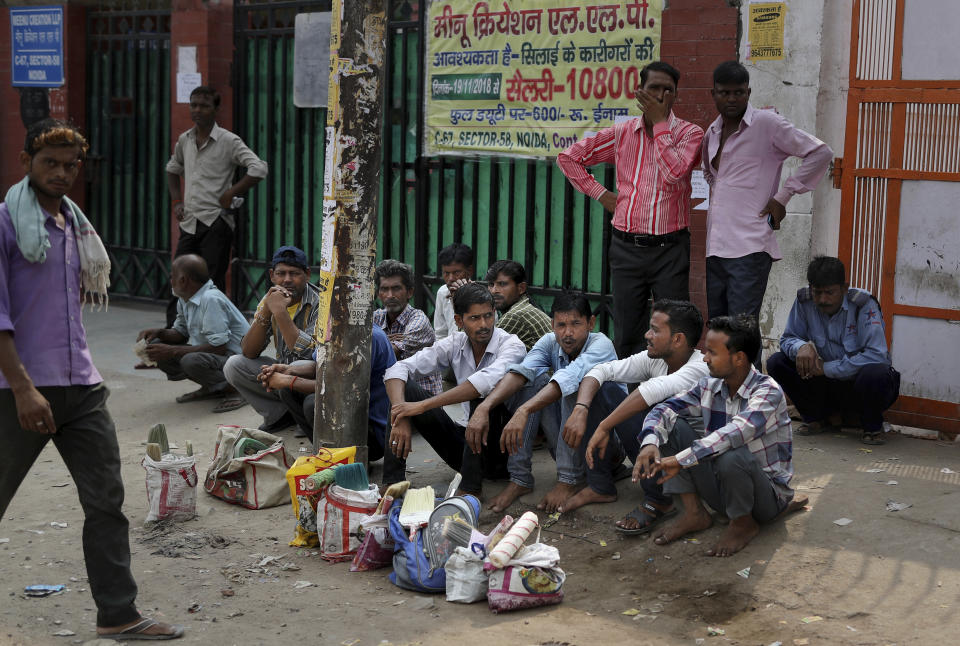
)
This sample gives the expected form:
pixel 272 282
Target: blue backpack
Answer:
pixel 413 567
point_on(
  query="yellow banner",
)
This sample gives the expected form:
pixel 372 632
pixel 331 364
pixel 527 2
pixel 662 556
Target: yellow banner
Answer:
pixel 766 31
pixel 531 77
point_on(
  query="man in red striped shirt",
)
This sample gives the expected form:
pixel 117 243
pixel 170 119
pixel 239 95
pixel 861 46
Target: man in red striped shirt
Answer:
pixel 654 155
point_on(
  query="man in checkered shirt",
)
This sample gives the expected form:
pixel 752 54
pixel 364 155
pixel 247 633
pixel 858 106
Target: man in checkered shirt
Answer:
pixel 507 281
pixel 741 465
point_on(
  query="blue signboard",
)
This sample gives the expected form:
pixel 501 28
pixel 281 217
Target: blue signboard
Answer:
pixel 37 43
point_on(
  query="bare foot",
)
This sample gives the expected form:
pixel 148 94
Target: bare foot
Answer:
pixel 584 497
pixel 735 537
pixel 557 496
pixel 506 497
pixel 687 523
pixel 798 503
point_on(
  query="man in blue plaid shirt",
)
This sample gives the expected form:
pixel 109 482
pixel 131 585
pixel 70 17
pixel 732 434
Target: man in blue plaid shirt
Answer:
pixel 741 465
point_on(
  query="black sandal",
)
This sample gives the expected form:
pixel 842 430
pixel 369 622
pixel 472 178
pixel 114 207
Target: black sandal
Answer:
pixel 648 516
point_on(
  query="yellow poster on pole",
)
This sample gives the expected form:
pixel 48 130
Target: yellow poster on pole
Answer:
pixel 766 31
pixel 531 77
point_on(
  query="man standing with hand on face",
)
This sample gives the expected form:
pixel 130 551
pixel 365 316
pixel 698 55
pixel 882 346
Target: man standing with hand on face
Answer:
pixel 207 157
pixel 743 154
pixel 654 156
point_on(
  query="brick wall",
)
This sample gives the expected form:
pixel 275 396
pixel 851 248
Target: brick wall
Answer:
pixel 698 35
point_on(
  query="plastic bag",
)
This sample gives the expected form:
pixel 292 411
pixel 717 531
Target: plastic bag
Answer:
pixel 305 502
pixel 517 587
pixel 376 544
pixel 339 512
pixel 171 487
pixel 466 580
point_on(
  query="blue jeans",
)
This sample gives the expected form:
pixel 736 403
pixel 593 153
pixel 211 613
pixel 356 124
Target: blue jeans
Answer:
pixel 569 464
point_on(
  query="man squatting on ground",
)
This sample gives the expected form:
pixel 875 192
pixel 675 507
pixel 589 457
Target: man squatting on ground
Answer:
pixel 743 154
pixel 456 268
pixel 288 315
pixel 568 352
pixel 207 157
pixel 833 354
pixel 671 364
pixel 479 356
pixel 207 331
pixel 295 384
pixel 507 282
pixel 407 327
pixel 654 156
pixel 51 260
pixel 742 463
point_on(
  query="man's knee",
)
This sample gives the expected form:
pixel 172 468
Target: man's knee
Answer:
pixel 779 364
pixel 732 462
pixel 238 369
pixel 877 380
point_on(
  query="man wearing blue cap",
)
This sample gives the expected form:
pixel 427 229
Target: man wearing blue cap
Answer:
pixel 288 315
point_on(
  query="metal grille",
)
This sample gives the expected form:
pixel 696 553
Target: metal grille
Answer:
pixel 869 221
pixel 873 140
pixel 502 207
pixel 932 139
pixel 128 67
pixel 875 52
pixel 286 207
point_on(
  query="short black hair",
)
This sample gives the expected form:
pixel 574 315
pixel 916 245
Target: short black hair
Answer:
pixel 390 268
pixel 731 73
pixel 660 66
pixel 456 253
pixel 743 333
pixel 509 268
pixel 469 295
pixel 207 90
pixel 53 132
pixel 824 271
pixel 568 301
pixel 683 317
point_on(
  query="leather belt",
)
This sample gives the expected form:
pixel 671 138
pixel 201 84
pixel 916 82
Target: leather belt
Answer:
pixel 647 240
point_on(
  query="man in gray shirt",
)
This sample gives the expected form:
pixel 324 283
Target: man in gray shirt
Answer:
pixel 207 157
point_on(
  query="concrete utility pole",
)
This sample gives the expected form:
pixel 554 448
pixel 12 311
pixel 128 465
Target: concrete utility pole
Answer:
pixel 351 190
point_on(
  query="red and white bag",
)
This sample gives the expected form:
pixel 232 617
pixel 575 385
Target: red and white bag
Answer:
pixel 339 512
pixel 171 487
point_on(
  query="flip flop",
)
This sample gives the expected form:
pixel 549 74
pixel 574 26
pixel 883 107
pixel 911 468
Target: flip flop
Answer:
pixel 136 631
pixel 143 366
pixel 873 439
pixel 229 404
pixel 647 520
pixel 813 428
pixel 198 395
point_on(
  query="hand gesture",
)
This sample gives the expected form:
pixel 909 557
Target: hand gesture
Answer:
pixel 647 463
pixel 278 300
pixel 226 200
pixel 148 334
pixel 609 201
pixel 576 427
pixel 477 430
pixel 807 357
pixel 162 352
pixel 400 439
pixel 669 467
pixel 403 410
pixel 654 109
pixel 597 446
pixel 179 212
pixel 276 381
pixel 511 438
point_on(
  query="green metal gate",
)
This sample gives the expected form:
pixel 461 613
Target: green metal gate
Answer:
pixel 128 116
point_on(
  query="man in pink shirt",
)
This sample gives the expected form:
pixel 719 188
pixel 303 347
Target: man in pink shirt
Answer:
pixel 743 154
pixel 654 155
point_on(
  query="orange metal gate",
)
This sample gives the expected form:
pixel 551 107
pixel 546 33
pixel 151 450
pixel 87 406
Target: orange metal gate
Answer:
pixel 900 213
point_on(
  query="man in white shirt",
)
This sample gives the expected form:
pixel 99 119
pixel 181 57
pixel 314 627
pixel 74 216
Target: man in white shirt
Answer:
pixel 479 356
pixel 671 364
pixel 456 267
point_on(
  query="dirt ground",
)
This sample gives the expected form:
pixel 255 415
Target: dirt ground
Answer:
pixel 886 578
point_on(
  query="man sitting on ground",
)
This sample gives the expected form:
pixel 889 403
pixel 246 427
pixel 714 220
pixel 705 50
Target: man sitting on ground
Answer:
pixel 456 268
pixel 507 281
pixel 671 364
pixel 833 354
pixel 479 356
pixel 742 467
pixel 407 328
pixel 288 315
pixel 296 385
pixel 206 332
pixel 569 352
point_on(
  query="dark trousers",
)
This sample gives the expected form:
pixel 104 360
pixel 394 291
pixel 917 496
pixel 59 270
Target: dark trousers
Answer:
pixel 447 438
pixel 301 407
pixel 87 441
pixel 736 285
pixel 624 442
pixel 635 274
pixel 733 483
pixel 204 368
pixel 212 243
pixel 866 396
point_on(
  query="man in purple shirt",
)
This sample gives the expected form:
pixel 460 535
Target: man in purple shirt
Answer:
pixel 50 258
pixel 743 154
